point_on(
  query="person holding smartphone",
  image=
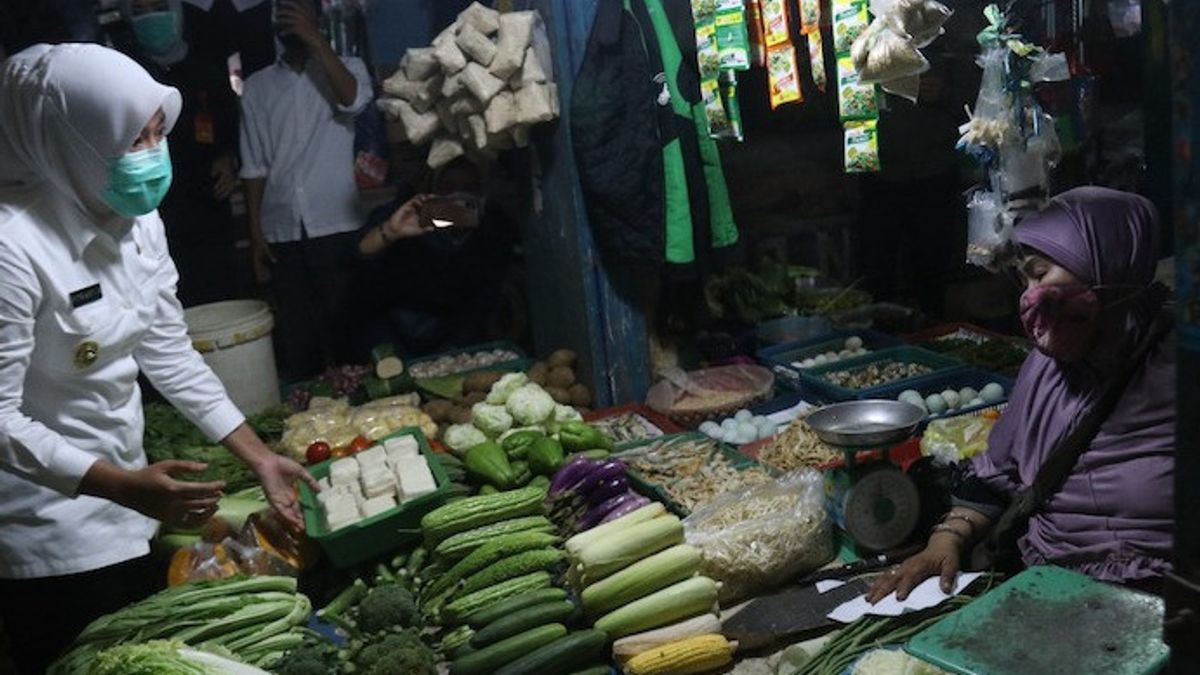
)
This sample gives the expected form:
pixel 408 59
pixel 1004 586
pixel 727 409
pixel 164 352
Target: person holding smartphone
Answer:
pixel 434 264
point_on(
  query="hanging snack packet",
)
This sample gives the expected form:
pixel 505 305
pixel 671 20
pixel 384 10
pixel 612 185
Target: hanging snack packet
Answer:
pixel 856 101
pixel 733 110
pixel 850 20
pixel 707 54
pixel 714 110
pixel 776 28
pixel 861 146
pixel 754 23
pixel 810 16
pixel 733 38
pixel 816 59
pixel 783 75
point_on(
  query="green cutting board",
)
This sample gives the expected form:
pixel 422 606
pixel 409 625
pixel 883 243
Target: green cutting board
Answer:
pixel 1049 621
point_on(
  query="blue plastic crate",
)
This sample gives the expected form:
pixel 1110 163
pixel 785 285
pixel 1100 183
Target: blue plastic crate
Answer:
pixel 956 380
pixel 780 358
pixel 813 379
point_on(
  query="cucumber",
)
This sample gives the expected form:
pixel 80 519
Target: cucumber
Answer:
pixel 522 620
pixel 594 670
pixel 561 656
pixel 488 660
pixel 487 615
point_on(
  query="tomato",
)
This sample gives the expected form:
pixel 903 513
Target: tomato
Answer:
pixel 318 452
pixel 359 443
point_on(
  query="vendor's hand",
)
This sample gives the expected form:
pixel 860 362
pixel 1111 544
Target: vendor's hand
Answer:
pixel 157 492
pixel 296 17
pixel 278 476
pixel 940 558
pixel 406 221
pixel 225 181
pixel 260 253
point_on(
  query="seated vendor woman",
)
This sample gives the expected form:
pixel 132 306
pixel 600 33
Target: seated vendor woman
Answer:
pixel 1090 305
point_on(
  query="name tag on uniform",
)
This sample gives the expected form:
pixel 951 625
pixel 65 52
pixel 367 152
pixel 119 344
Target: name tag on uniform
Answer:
pixel 85 296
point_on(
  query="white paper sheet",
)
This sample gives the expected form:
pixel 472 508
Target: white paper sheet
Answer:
pixel 826 585
pixel 785 416
pixel 925 595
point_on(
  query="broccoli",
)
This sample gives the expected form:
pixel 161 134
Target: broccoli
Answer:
pixel 400 653
pixel 307 659
pixel 387 606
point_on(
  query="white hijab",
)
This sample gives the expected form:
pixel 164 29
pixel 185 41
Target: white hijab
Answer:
pixel 65 110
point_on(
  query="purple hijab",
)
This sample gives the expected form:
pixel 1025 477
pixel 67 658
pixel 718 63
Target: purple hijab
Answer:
pixel 1113 518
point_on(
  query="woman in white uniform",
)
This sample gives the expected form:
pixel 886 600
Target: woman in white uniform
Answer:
pixel 87 301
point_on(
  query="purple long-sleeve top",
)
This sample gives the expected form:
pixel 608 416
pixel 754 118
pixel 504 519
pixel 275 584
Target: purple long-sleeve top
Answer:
pixel 1113 517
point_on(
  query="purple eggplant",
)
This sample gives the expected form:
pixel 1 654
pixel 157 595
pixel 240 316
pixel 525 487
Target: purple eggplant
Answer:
pixel 572 473
pixel 607 490
pixel 625 507
pixel 596 514
pixel 606 471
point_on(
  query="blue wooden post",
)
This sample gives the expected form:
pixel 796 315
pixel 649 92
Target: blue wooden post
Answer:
pixel 573 303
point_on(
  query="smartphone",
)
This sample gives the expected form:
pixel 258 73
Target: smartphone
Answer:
pixel 446 211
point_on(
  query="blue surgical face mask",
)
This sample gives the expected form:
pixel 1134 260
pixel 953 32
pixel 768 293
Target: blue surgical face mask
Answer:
pixel 157 32
pixel 138 181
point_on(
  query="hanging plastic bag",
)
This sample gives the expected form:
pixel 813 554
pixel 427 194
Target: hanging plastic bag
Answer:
pixel 759 537
pixel 988 233
pixel 921 21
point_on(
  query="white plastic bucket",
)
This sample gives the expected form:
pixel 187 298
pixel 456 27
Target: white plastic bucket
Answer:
pixel 234 337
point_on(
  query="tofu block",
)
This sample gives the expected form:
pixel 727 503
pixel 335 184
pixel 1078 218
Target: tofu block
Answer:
pixel 336 520
pixel 415 479
pixel 343 471
pixel 371 457
pixel 377 505
pixel 379 481
pixel 483 19
pixel 338 499
pixel 324 484
pixel 407 444
pixel 476 45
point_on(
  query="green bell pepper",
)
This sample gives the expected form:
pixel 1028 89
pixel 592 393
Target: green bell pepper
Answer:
pixel 546 456
pixel 517 444
pixel 487 463
pixel 578 436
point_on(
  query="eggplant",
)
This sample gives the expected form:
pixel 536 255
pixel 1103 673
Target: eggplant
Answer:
pixel 606 471
pixel 626 507
pixel 607 490
pixel 572 473
pixel 596 514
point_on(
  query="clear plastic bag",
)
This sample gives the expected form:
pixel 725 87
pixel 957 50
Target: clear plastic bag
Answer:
pixel 921 21
pixel 989 234
pixel 954 439
pixel 761 536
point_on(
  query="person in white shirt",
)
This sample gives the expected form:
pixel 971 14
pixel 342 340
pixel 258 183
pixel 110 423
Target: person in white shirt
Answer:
pixel 297 147
pixel 87 302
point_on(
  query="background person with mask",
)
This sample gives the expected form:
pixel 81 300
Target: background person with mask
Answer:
pixel 87 301
pixel 1090 301
pixel 297 146
pixel 196 211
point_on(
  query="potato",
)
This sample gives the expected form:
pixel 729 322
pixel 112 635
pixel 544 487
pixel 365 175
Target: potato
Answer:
pixel 561 357
pixel 481 381
pixel 460 415
pixel 561 377
pixel 537 374
pixel 580 395
pixel 438 409
pixel 475 397
pixel 559 395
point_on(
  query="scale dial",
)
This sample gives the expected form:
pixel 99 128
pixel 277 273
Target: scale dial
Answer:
pixel 882 509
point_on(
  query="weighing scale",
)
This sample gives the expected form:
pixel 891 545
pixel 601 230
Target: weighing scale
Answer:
pixel 871 499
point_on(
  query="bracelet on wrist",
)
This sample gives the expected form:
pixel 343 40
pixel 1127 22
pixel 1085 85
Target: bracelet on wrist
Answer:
pixel 943 527
pixel 959 516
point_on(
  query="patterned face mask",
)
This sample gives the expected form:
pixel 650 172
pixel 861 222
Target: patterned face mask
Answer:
pixel 1061 319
